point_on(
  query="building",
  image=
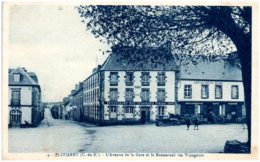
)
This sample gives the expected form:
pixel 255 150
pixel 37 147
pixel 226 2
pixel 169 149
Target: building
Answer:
pixel 25 104
pixel 214 87
pixel 73 104
pixel 77 102
pixel 128 90
pixel 56 109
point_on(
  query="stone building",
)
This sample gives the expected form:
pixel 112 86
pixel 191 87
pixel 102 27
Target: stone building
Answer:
pixel 127 90
pixel 25 104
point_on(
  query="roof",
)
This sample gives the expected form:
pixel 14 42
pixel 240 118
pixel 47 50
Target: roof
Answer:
pixel 140 58
pixel 211 70
pixel 33 76
pixel 27 78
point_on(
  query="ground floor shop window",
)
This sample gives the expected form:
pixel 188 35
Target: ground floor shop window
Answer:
pixel 113 110
pixel 129 109
pixel 161 110
pixel 188 109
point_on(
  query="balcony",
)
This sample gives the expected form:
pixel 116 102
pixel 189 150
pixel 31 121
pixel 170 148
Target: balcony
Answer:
pixel 129 83
pixel 15 102
pixel 145 83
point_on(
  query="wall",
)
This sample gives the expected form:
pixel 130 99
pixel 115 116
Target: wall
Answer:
pixel 137 88
pixel 26 114
pixel 26 94
pixel 196 91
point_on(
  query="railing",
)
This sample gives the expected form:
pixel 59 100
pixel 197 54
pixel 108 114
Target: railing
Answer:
pixel 129 83
pixel 15 102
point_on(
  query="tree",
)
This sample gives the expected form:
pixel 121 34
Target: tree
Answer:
pixel 191 29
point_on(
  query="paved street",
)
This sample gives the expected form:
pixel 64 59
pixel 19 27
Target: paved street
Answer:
pixel 68 136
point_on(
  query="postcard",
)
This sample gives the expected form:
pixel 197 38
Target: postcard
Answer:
pixel 130 80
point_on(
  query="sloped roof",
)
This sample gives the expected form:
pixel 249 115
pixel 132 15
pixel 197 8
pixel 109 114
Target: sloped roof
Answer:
pixel 211 70
pixel 26 79
pixel 33 76
pixel 139 58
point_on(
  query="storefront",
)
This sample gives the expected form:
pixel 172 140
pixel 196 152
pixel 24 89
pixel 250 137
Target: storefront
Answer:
pixel 232 110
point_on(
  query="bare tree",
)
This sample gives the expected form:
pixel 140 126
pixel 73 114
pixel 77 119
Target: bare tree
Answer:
pixel 192 30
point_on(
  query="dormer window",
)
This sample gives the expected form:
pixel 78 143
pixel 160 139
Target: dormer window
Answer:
pixel 17 77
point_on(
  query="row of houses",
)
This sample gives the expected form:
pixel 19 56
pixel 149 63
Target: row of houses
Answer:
pixel 25 103
pixel 128 90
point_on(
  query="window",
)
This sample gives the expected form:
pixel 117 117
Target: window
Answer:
pixel 145 79
pixel 161 79
pixel 129 78
pixel 129 109
pixel 145 94
pixel 161 110
pixel 187 92
pixel 218 91
pixel 161 94
pixel 15 101
pixel 112 109
pixel 204 91
pixel 129 94
pixel 234 92
pixel 17 77
pixel 113 78
pixel 113 95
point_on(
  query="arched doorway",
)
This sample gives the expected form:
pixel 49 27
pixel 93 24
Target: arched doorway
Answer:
pixel 15 118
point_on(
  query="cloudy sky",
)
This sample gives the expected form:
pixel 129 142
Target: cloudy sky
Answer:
pixel 52 42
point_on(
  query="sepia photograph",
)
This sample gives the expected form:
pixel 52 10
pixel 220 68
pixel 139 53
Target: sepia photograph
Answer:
pixel 126 80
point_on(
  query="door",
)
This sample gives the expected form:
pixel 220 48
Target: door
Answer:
pixel 15 118
pixel 145 115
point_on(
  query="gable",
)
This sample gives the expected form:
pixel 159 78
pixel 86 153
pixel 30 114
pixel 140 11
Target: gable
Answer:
pixel 24 78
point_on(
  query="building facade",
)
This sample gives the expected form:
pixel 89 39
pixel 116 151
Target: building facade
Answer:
pixel 25 104
pixel 211 88
pixel 77 102
pixel 121 92
pixel 147 84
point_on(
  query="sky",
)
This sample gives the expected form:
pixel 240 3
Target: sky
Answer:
pixel 51 41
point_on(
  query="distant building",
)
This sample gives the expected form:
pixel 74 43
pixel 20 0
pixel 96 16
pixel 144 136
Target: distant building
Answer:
pixel 56 109
pixel 25 105
pixel 211 87
pixel 73 104
pixel 77 102
pixel 124 92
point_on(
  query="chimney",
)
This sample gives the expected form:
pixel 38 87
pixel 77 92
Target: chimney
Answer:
pixel 94 70
pixel 76 86
pixel 24 69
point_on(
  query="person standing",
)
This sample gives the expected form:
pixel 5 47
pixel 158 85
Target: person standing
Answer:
pixel 188 122
pixel 196 123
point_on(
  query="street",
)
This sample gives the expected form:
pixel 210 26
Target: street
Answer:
pixel 67 136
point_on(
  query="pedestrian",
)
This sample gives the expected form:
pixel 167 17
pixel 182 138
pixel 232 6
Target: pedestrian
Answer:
pixel 196 123
pixel 26 124
pixel 188 122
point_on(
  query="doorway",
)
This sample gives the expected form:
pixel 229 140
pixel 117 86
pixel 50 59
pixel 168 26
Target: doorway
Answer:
pixel 145 115
pixel 15 118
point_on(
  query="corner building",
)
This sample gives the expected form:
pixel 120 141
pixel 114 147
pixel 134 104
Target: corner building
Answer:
pixel 211 87
pixel 128 90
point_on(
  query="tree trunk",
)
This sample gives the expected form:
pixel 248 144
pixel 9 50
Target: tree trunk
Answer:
pixel 244 50
pixel 243 43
